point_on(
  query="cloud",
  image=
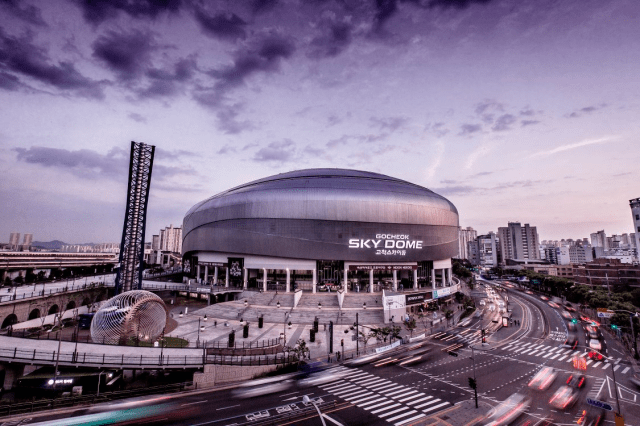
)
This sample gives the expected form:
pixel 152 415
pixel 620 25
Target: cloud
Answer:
pixel 25 12
pixel 504 122
pixel 456 4
pixel 333 120
pixel 467 129
pixel 487 109
pixel 528 112
pixel 98 11
pixel 20 57
pixel 226 149
pixel 571 146
pixel 482 150
pixel 127 54
pixel 335 41
pixel 227 120
pixel 438 129
pixel 279 152
pixel 137 117
pixel 262 6
pixel 391 124
pixel 163 83
pixel 436 160
pixel 586 110
pixel 175 154
pixel 89 164
pixel 525 123
pixel 224 26
pixel 456 190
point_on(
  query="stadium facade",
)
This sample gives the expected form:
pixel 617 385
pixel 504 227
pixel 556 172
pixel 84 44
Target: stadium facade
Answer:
pixel 322 229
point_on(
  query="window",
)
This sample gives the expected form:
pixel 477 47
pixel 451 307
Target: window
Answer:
pixel 638 217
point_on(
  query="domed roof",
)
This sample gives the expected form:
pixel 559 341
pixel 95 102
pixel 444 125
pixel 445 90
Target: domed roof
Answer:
pixel 327 194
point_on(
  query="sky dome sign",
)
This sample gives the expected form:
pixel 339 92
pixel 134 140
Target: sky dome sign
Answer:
pixel 385 244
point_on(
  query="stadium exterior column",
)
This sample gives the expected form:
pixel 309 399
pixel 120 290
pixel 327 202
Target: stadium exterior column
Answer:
pixel 370 280
pixel 198 274
pixel 288 289
pixel 226 278
pixel 206 273
pixel 415 279
pixel 215 275
pixel 433 279
pixel 395 280
pixel 313 283
pixel 245 278
pixel 346 279
pixel 264 279
pixel 444 274
pixel 450 276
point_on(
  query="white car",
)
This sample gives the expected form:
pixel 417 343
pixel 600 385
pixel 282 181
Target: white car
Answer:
pixel 508 410
pixel 483 302
pixel 595 344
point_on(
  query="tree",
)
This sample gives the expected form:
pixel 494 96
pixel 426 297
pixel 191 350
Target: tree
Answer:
pixel 395 331
pixel 300 350
pixel 8 281
pixel 19 280
pixel 410 325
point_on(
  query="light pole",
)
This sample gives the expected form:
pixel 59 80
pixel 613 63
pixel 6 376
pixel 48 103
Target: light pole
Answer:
pixel 633 334
pixel 198 339
pixel 55 374
pixel 357 337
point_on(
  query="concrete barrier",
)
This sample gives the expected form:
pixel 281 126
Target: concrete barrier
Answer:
pixel 220 374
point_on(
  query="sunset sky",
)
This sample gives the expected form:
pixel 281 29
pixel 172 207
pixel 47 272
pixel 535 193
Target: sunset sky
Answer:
pixel 522 110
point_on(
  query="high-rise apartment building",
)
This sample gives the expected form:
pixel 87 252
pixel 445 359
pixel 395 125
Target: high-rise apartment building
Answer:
pixel 599 239
pixel 14 240
pixel 464 236
pixel 483 251
pixel 155 242
pixel 635 215
pixel 580 254
pixel 519 242
pixel 28 239
pixel 171 239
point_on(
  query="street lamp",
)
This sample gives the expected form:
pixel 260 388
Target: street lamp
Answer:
pixel 278 304
pixel 364 305
pixel 319 305
pixel 198 340
pixel 246 303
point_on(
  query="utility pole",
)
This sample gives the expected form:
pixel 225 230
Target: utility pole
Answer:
pixel 472 382
pixel 358 337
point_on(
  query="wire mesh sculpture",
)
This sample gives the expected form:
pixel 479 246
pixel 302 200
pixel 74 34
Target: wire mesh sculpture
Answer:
pixel 129 318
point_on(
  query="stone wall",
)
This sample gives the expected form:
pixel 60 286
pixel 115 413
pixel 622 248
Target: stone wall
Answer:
pixel 220 374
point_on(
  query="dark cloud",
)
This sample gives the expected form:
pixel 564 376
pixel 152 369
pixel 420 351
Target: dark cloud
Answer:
pixel 456 4
pixel 164 83
pixel 127 54
pixel 9 82
pixel 456 190
pixel 467 129
pixel 24 12
pixel 529 122
pixel 83 162
pixel 586 111
pixel 528 112
pixel 97 11
pixel 279 152
pixel 335 41
pixel 20 56
pixel 137 117
pixel 390 124
pixel 385 9
pixel 342 140
pixel 265 56
pixel 227 120
pixel 438 129
pixel 504 122
pixel 226 26
pixel 90 164
pixel 261 6
pixel 333 120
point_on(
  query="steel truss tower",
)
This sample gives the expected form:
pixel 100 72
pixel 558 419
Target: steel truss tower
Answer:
pixel 135 218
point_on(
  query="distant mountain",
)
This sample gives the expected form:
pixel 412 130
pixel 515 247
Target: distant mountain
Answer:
pixel 49 245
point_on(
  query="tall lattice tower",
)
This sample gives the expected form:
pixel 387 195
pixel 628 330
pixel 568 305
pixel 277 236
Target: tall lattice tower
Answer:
pixel 132 246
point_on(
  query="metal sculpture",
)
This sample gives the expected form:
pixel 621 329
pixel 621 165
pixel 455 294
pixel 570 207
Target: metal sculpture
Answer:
pixel 134 316
pixel 132 247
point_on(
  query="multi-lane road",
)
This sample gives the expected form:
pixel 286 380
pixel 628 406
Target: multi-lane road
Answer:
pixel 410 394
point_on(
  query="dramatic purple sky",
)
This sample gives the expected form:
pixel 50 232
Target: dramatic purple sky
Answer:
pixel 514 110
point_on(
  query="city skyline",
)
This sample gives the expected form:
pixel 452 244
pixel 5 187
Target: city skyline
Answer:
pixel 514 113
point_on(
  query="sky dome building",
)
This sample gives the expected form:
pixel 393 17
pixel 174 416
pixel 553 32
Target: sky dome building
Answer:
pixel 352 229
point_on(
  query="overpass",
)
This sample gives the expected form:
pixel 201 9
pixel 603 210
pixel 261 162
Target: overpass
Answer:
pixel 12 261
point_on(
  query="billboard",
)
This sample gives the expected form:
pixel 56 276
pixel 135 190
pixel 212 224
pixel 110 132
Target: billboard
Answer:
pixel 418 298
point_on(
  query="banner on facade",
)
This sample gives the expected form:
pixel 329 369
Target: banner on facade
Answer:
pixel 418 298
pixel 382 267
pixel 210 264
pixel 444 291
pixel 235 267
pixel 388 347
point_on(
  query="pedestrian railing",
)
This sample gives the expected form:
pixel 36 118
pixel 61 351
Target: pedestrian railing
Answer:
pixel 41 293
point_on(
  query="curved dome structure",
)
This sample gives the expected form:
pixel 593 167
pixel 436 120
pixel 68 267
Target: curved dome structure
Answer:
pixel 137 314
pixel 320 214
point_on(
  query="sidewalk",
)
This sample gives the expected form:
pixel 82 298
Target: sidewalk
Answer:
pixel 463 413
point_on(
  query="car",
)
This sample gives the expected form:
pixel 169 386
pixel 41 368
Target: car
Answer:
pixel 320 378
pixel 545 298
pixel 501 304
pixel 635 379
pixel 576 381
pixel 572 340
pixel 529 292
pixel 553 305
pixel 263 386
pixel 483 302
pixel 595 344
pixel 508 410
pixel 566 315
pixel 592 416
pixel 592 331
pixel 569 308
pixel 564 397
pixel 572 326
pixel 596 356
pixel 543 379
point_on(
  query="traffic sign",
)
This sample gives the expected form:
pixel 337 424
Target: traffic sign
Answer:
pixel 605 313
pixel 599 404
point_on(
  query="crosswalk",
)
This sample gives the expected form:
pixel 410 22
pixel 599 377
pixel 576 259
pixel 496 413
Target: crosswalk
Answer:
pixel 468 336
pixel 557 353
pixel 390 401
